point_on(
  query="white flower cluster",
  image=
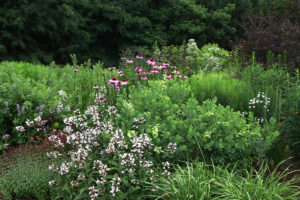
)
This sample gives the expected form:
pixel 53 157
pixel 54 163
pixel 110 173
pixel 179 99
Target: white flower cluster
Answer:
pixel 260 101
pixel 81 136
pixel 192 50
pixel 211 63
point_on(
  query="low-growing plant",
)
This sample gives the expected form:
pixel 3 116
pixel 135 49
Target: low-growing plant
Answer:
pixel 202 181
pixel 26 176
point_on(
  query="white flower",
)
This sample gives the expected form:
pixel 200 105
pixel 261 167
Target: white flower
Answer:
pixel 20 128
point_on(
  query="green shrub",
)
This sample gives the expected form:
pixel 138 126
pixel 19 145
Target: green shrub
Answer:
pixel 223 135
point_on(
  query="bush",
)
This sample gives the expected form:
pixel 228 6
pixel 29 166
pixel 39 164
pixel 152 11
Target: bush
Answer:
pixel 193 127
pixel 267 34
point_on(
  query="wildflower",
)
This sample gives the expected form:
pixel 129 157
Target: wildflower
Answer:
pixel 5 136
pixel 31 138
pixel 181 76
pixel 76 70
pixel 20 128
pixel 6 145
pixel 144 78
pixel 151 62
pixel 154 72
pixel 166 64
pixel 287 147
pixel 129 61
pixel 52 182
pixel 111 68
pixel 169 76
pixel 139 57
pixel 101 100
pixel 160 67
pixel 120 73
pixel 124 82
pixel 176 71
pixel 96 87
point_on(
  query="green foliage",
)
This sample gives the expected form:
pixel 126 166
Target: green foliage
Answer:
pixel 291 117
pixel 201 181
pixel 26 87
pixel 52 30
pixel 178 118
pixel 229 91
pixel 26 177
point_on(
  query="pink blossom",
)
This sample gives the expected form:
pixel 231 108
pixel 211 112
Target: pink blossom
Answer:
pixel 5 145
pixel 32 138
pixel 96 87
pixel 154 72
pixel 124 82
pixel 111 68
pixel 160 67
pixel 76 70
pixel 139 57
pixel 155 67
pixel 151 62
pixel 169 76
pixel 129 61
pixel 101 100
pixel 166 64
pixel 54 130
pixel 176 71
pixel 144 78
pixel 181 76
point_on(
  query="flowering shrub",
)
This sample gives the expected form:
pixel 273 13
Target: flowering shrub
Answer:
pixel 102 162
pixel 260 106
pixel 212 57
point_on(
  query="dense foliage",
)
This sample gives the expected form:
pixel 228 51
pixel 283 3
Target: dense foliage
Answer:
pixel 52 30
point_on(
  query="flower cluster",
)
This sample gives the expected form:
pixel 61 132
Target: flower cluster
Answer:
pixel 93 144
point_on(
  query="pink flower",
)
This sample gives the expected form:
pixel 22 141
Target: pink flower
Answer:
pixel 155 67
pixel 154 72
pixel 37 137
pixel 176 71
pixel 169 76
pixel 76 70
pixel 139 57
pixel 54 130
pixel 5 136
pixel 124 82
pixel 166 64
pixel 135 65
pixel 160 67
pixel 151 62
pixel 96 87
pixel 129 61
pixel 101 100
pixel 113 81
pixel 32 138
pixel 181 76
pixel 46 120
pixel 144 78
pixel 5 145
pixel 111 68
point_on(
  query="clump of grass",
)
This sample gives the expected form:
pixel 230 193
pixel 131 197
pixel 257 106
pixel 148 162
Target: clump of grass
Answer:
pixel 201 181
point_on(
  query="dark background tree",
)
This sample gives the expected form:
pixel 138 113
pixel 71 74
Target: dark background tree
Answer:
pixel 43 31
